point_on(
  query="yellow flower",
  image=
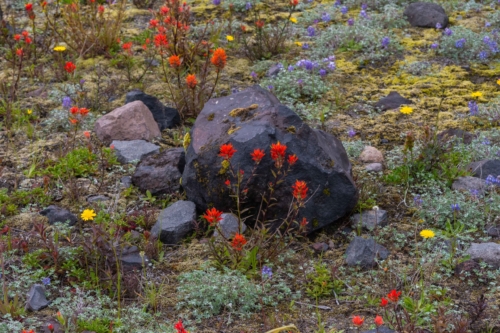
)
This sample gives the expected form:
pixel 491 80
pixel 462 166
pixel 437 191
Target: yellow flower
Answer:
pixel 293 19
pixel 299 44
pixel 88 214
pixel 29 111
pixel 406 110
pixel 229 38
pixel 60 48
pixel 477 94
pixel 498 82
pixel 426 233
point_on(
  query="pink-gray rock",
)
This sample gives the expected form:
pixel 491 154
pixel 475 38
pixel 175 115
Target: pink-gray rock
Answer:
pixel 487 252
pixel 371 155
pixel 165 117
pixel 133 121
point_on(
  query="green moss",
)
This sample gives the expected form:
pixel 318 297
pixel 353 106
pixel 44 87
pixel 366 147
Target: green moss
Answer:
pixel 211 116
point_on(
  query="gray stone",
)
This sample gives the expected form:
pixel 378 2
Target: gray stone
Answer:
pixel 274 70
pixel 488 252
pixel 160 173
pixel 469 183
pixel 370 219
pixel 134 151
pixel 455 133
pixel 97 198
pixel 426 15
pixel 374 167
pixel 319 247
pixel 57 214
pixel 229 226
pixel 363 252
pixel 175 222
pixel 36 298
pixel 126 181
pixel 131 258
pixel 493 231
pixel 484 168
pixel 392 101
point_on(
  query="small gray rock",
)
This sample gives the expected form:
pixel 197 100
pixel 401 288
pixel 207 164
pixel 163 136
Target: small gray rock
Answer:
pixel 363 252
pixel 320 247
pixel 381 329
pixel 36 298
pixel 426 15
pixel 274 70
pixel 493 231
pixel 134 150
pixel 392 101
pixel 97 198
pixel 175 222
pixel 126 181
pixel 469 183
pixel 488 252
pixel 131 258
pixel 374 167
pixel 57 214
pixel 229 226
pixel 370 219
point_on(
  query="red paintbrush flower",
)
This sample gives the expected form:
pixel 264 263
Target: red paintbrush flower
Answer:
pixel 257 155
pixel 212 216
pixel 227 151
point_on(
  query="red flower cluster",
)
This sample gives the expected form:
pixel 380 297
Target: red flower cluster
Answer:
pixel 23 36
pixel 259 24
pixel 358 321
pixel 28 7
pixel 300 190
pixel 257 155
pixel 238 242
pixel 19 52
pixel 160 40
pixel 278 154
pixel 127 47
pixel 219 59
pixel 191 81
pixel 213 216
pixel 100 9
pixel 76 114
pixel 69 67
pixel 227 151
pixel 179 326
pixel 393 295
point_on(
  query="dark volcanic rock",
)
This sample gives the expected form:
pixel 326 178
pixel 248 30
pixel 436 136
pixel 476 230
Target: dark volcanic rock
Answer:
pixel 426 15
pixel 392 101
pixel 165 117
pixel 252 119
pixel 452 133
pixel 160 173
pixel 484 168
pixel 36 298
pixel 58 214
pixel 134 151
pixel 175 222
pixel 363 252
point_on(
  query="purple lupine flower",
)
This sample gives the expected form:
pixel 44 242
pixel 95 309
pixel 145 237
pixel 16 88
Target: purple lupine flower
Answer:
pixel 331 58
pixel 325 17
pixel 350 21
pixel 483 55
pixel 308 65
pixel 486 142
pixel 417 201
pixel 460 43
pixel 291 68
pixel 331 66
pixel 305 46
pixel 300 82
pixel 490 180
pixel 438 25
pixel 253 75
pixel 487 24
pixel 474 193
pixel 270 87
pixel 322 72
pixel 448 32
pixel 248 6
pixel 434 46
pixel 486 39
pixel 364 6
pixel 311 31
pixel 267 272
pixel 337 3
pixel 351 132
pixel 316 21
pixel 216 2
pixel 385 42
pixel 473 108
pixel 46 281
pixel 455 208
pixel 344 10
pixel 363 14
pixel 66 102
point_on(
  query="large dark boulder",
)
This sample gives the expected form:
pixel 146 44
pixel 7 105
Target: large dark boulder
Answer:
pixel 426 15
pixel 160 173
pixel 165 117
pixel 254 118
pixel 484 168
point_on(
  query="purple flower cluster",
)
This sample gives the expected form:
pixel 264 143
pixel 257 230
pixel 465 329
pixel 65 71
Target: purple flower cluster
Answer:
pixel 307 64
pixel 438 25
pixel 350 21
pixel 491 180
pixel 344 10
pixel 455 208
pixel 448 32
pixel 311 32
pixel 248 6
pixel 363 14
pixel 385 42
pixel 305 46
pixel 460 43
pixel 351 132
pixel 267 272
pixel 492 44
pixel 66 102
pixel 473 108
pixel 434 46
pixel 216 2
pixel 417 201
pixel 325 17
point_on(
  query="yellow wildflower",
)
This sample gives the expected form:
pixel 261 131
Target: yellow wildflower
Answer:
pixel 29 111
pixel 498 82
pixel 477 94
pixel 88 215
pixel 426 233
pixel 229 38
pixel 293 19
pixel 60 48
pixel 406 110
pixel 299 44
